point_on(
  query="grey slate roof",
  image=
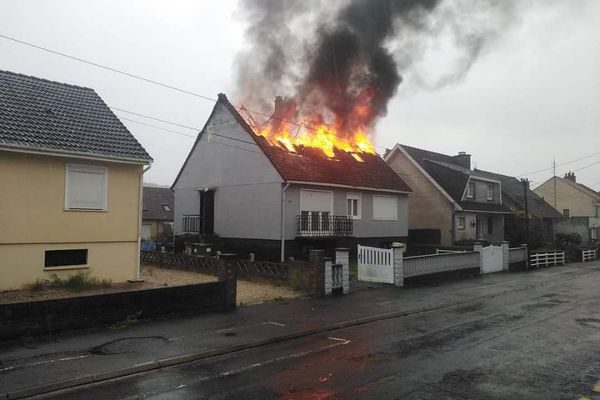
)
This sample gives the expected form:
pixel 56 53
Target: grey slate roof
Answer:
pixel 155 198
pixel 41 115
pixel 452 177
pixel 513 189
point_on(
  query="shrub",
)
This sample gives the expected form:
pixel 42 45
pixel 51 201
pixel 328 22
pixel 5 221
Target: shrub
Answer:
pixel 78 282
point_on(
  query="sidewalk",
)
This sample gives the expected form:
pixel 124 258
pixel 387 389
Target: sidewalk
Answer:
pixel 106 353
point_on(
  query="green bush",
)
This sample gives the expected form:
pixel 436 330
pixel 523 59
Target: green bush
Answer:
pixel 78 282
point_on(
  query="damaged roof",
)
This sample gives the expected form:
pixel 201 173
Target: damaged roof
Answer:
pixel 51 117
pixel 311 166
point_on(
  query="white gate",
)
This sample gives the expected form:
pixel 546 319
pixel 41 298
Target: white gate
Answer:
pixel 375 264
pixel 491 259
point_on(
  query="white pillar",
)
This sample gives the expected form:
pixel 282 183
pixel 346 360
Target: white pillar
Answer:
pixel 478 247
pixel 342 256
pixel 328 279
pixel 505 255
pixel 398 255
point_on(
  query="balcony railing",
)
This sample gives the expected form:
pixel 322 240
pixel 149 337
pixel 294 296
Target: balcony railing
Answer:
pixel 316 224
pixel 191 224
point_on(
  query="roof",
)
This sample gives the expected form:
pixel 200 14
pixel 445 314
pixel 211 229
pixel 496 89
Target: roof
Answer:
pixel 154 202
pixel 513 189
pixel 312 166
pixel 452 178
pixel 51 117
pixel 582 188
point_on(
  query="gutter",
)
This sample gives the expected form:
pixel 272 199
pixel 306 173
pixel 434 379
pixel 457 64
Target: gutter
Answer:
pixel 283 189
pixel 140 208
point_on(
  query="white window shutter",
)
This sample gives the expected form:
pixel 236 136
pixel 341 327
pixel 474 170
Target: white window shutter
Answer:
pixel 86 187
pixel 385 207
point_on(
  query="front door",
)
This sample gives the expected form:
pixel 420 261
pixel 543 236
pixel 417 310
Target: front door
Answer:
pixel 481 227
pixel 207 212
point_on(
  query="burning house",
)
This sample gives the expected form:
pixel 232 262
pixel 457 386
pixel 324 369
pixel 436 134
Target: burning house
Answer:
pixel 275 192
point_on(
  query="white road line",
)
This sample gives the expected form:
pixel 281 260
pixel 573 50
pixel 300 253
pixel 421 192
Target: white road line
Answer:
pixel 273 323
pixel 35 364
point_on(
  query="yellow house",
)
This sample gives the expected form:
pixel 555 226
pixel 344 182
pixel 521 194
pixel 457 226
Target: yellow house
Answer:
pixel 70 184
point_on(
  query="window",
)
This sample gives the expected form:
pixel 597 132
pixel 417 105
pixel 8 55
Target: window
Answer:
pixel 470 190
pixel 490 225
pixel 64 258
pixel 490 192
pixel 146 232
pixel 566 212
pixel 385 208
pixel 461 223
pixel 353 201
pixel 85 187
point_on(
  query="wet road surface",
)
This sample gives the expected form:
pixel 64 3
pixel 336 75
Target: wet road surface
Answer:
pixel 542 343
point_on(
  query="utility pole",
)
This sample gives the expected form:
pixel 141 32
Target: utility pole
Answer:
pixel 525 183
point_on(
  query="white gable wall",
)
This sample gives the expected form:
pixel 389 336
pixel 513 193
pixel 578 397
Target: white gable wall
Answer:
pixel 247 186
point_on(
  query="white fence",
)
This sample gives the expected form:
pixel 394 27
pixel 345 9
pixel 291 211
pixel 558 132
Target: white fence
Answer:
pixel 517 254
pixel 546 259
pixel 431 264
pixel 375 264
pixel 588 255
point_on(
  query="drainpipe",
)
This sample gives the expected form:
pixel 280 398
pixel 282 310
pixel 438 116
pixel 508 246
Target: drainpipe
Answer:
pixel 283 221
pixel 140 207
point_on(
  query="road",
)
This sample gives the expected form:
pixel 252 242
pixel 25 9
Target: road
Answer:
pixel 538 343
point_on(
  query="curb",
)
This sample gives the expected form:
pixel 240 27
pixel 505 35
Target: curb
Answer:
pixel 186 358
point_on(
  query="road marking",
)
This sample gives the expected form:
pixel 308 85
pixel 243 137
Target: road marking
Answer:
pixel 273 323
pixel 35 364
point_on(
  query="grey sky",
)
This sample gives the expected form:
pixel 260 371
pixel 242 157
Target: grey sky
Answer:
pixel 532 96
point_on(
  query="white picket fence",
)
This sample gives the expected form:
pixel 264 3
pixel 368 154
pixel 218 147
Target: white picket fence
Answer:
pixel 433 263
pixel 546 259
pixel 588 255
pixel 375 264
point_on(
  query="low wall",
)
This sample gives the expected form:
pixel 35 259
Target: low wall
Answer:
pixel 48 317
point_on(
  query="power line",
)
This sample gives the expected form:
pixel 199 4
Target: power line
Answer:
pixel 559 165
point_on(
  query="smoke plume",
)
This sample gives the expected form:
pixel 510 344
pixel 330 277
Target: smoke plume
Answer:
pixel 340 62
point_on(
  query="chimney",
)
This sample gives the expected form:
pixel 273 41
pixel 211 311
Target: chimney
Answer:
pixel 463 159
pixel 571 176
pixel 279 109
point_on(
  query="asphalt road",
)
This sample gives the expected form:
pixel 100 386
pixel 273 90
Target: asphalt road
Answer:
pixel 542 343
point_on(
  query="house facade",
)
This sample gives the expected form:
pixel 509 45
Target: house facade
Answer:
pixel 578 204
pixel 450 204
pixel 71 178
pixel 263 199
pixel 157 213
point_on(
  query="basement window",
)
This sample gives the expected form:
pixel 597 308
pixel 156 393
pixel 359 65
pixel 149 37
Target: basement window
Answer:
pixel 65 258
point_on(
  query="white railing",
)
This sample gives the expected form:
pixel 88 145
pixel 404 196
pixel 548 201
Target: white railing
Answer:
pixel 546 259
pixel 375 264
pixel 431 264
pixel 588 255
pixel 517 254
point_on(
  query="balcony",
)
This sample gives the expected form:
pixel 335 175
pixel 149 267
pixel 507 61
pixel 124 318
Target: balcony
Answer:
pixel 316 224
pixel 190 224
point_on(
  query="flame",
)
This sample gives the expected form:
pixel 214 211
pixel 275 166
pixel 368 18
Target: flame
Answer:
pixel 323 137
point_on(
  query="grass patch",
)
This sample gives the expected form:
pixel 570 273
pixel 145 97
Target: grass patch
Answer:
pixel 74 283
pixel 126 323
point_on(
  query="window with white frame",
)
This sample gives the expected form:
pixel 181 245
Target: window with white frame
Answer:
pixel 85 187
pixel 385 207
pixel 460 223
pixel 353 204
pixel 490 192
pixel 471 190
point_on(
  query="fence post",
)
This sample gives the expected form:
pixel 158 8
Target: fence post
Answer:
pixel 327 276
pixel 316 260
pixel 251 257
pixel 524 245
pixel 505 255
pixel 398 259
pixel 342 256
pixel 227 272
pixel 478 247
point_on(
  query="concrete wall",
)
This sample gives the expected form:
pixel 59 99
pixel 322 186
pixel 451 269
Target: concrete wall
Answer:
pixel 567 197
pixel 365 227
pixel 34 219
pixel 428 208
pixel 247 187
